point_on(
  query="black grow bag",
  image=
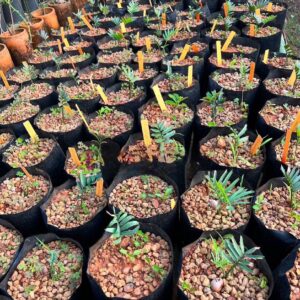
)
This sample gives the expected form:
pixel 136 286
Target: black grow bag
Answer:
pixel 30 221
pixel 65 139
pixel 166 221
pixel 28 245
pixel 9 100
pixel 86 105
pixel 272 131
pixel 107 39
pixel 271 42
pixel 261 264
pixel 191 93
pixel 275 244
pixel 105 82
pixel 247 96
pixel 199 177
pixel 174 170
pixel 212 41
pixel 87 233
pixel 56 80
pixel 90 38
pixel 166 286
pixel 252 176
pixel 110 150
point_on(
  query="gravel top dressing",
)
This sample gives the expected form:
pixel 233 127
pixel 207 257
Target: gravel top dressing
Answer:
pixel 294 279
pixel 6 94
pixel 5 139
pixel 35 91
pixel 293 154
pixel 280 87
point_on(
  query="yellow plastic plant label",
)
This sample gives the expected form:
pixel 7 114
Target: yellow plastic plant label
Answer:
pixel 62 33
pixel 123 28
pixel 4 79
pixel 99 187
pixel 252 71
pixel 184 52
pixel 26 172
pixel 71 24
pixel 66 42
pixel 74 156
pixel 144 13
pixel 148 44
pixel 292 78
pixel 229 40
pixel 80 51
pixel 87 23
pixel 266 56
pixel 102 94
pixel 140 57
pixel 92 83
pixel 83 118
pixel 137 38
pixel 146 132
pixel 159 98
pixel 173 203
pixel 59 46
pixel 190 76
pixel 25 63
pixel 219 53
pixel 33 135
pixel 257 12
pixel 214 26
pixel 119 4
pixel 270 7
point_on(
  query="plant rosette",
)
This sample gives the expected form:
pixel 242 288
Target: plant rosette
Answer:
pixel 105 76
pixel 147 75
pixel 115 58
pixel 231 147
pixel 71 206
pixel 56 120
pixel 135 266
pixel 233 62
pixel 280 87
pixel 221 20
pixel 22 75
pixel 111 123
pixel 124 93
pixel 7 94
pixel 10 243
pixel 152 57
pixel 216 111
pixel 227 266
pixel 168 152
pixel 249 18
pixel 26 153
pixel 37 93
pixel 57 261
pixel 262 32
pixel 277 203
pixel 17 112
pixel 217 200
pixel 144 196
pixel 294 279
pixel 19 193
pixel 293 157
pixel 279 115
pixel 90 160
pixel 6 138
pixel 177 115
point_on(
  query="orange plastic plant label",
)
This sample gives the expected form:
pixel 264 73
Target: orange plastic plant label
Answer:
pixel 292 78
pixel 184 52
pixel 71 24
pixel 286 146
pixel 74 156
pixel 226 9
pixel 190 76
pixel 80 51
pixel 140 57
pixel 33 135
pixel 68 110
pixel 99 187
pixel 252 71
pixel 256 145
pixel 163 19
pixel 198 18
pixel 229 40
pixel 296 122
pixel 159 98
pixel 148 44
pixel 146 132
pixel 4 79
pixel 252 30
pixel 26 172
pixel 195 48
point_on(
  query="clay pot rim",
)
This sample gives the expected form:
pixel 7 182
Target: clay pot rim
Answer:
pixel 47 12
pixel 18 32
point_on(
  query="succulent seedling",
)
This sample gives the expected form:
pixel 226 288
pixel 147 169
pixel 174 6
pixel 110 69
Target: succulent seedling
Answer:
pixel 292 178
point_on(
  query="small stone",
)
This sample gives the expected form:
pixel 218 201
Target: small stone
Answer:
pixel 217 284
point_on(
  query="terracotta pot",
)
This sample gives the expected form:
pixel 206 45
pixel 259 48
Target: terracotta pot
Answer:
pixel 18 44
pixel 49 16
pixel 36 25
pixel 78 4
pixel 6 62
pixel 63 11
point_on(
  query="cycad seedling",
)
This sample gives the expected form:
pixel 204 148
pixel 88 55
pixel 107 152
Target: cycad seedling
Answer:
pixel 44 35
pixel 176 101
pixel 122 225
pixel 115 35
pixel 130 77
pixel 230 255
pixel 63 99
pixel 226 192
pixel 292 178
pixel 162 135
pixel 133 7
pixel 30 71
pixel 238 138
pixel 104 9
